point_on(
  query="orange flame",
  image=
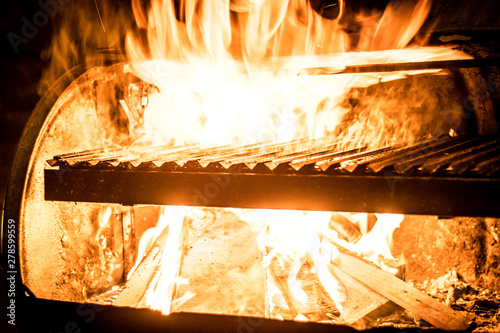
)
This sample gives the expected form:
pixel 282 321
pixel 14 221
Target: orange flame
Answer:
pixel 258 29
pixel 227 71
pixel 283 236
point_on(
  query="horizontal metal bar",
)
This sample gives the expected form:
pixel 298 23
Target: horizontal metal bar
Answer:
pixel 404 66
pixel 38 315
pixel 387 193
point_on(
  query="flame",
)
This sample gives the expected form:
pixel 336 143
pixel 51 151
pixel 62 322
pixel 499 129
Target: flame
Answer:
pixel 376 244
pixel 227 72
pixel 257 29
pixel 161 288
pixel 158 297
pixel 82 31
pixel 293 236
pixel 287 239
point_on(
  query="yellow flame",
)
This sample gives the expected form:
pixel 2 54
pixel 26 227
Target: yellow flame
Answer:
pixel 295 235
pixel 291 236
pixel 227 71
pixel 377 243
pixel 159 295
pixel 161 288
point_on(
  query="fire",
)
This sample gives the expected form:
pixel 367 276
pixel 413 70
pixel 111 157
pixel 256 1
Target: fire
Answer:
pixel 233 73
pixel 167 277
pixel 255 30
pixel 300 245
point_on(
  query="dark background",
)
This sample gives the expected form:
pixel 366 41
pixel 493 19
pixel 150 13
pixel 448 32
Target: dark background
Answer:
pixel 21 69
pixel 19 75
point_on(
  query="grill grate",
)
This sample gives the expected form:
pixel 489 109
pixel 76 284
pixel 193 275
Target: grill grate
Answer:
pixel 453 155
pixel 444 176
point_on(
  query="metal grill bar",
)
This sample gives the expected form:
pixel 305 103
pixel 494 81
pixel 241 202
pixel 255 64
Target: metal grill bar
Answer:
pixel 436 151
pixel 410 153
pixel 470 162
pixel 489 166
pixel 435 164
pixel 404 66
pixel 363 158
pixel 325 165
pixel 297 164
pixel 456 155
pixel 388 194
pixel 295 175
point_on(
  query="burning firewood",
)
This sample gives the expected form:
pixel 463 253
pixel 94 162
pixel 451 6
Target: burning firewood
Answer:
pixel 136 286
pixel 357 308
pixel 363 305
pixel 345 228
pixel 129 244
pixel 220 267
pixel 319 305
pixel 401 293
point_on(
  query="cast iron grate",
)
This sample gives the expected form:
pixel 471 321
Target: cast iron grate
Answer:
pixel 443 176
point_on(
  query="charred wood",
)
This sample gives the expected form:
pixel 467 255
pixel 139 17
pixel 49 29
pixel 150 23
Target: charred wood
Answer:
pixel 136 286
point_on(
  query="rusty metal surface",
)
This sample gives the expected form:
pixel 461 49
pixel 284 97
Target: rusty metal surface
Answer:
pixel 454 155
pixel 469 162
pixel 383 194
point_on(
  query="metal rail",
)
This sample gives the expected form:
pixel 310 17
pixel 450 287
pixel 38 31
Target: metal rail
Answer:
pixel 404 66
pixel 389 193
pixel 446 176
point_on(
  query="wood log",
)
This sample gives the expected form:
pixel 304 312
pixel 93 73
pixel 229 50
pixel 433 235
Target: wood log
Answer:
pixel 360 302
pixel 403 66
pixel 363 304
pixel 221 267
pixel 357 309
pixel 319 306
pixel 345 228
pixel 129 245
pixel 136 286
pixel 401 293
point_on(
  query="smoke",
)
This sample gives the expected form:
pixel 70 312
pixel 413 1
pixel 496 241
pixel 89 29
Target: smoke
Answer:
pixel 84 33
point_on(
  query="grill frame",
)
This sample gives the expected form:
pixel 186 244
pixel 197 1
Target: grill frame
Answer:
pixel 387 180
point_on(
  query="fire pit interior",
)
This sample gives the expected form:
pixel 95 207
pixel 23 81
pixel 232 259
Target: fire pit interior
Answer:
pixel 298 161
